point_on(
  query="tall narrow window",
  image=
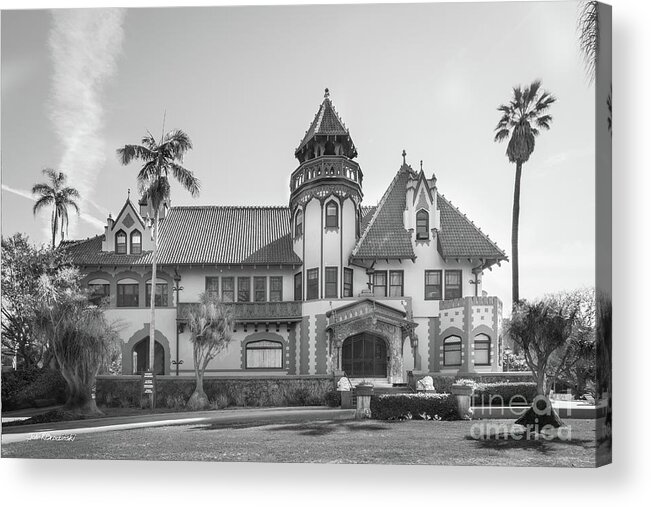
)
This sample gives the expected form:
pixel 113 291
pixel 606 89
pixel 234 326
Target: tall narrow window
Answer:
pixel 332 214
pixel 298 286
pixel 433 284
pixel 243 289
pixel 482 350
pixel 331 282
pixel 452 283
pixel 121 242
pixel 100 291
pixel 348 283
pixel 298 224
pixel 260 288
pixel 228 289
pixel 452 351
pixel 396 283
pixel 136 242
pixel 128 291
pixel 161 297
pixel 422 224
pixel 275 288
pixel 312 283
pixel 380 283
pixel 212 286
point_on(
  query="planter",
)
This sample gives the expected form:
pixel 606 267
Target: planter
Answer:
pixel 364 390
pixel 461 390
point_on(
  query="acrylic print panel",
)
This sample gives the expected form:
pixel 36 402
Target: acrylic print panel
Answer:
pixel 379 234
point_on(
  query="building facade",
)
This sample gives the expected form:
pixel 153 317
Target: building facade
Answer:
pixel 324 285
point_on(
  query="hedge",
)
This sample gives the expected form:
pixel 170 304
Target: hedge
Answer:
pixel 503 393
pixel 414 406
pixel 174 392
pixel 21 389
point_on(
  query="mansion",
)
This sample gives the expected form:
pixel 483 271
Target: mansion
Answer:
pixel 322 286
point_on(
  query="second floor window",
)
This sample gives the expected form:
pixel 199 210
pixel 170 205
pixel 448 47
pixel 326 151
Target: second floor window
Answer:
pixel 380 283
pixel 298 287
pixel 433 284
pixel 312 284
pixel 298 224
pixel 128 292
pixel 422 225
pixel 348 283
pixel 228 289
pixel 396 283
pixel 452 283
pixel 243 289
pixel 212 286
pixel 136 242
pixel 260 288
pixel 331 282
pixel 121 242
pixel 161 296
pixel 275 288
pixel 100 291
pixel 332 214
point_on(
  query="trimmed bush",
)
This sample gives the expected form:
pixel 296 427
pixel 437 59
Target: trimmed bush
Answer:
pixel 118 391
pixel 414 406
pixel 21 389
pixel 502 393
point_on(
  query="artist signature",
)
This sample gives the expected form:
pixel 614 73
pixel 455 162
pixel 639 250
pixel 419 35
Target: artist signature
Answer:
pixel 64 437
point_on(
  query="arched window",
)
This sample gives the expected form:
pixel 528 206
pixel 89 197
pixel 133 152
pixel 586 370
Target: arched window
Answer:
pixel 298 224
pixel 332 214
pixel 162 295
pixel 422 224
pixel 136 242
pixel 482 350
pixel 128 292
pixel 452 351
pixel 121 242
pixel 264 354
pixel 100 290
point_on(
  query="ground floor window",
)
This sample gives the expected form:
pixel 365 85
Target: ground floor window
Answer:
pixel 264 354
pixel 482 350
pixel 452 351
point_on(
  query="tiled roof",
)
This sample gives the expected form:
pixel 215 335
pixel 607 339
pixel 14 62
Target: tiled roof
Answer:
pixel 367 214
pixel 385 235
pixel 459 237
pixel 326 123
pixel 207 235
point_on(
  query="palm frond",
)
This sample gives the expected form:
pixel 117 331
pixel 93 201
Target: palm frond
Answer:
pixel 45 200
pixel 70 193
pixel 134 151
pixel 501 135
pixel 177 143
pixel 43 189
pixel 544 122
pixel 588 27
pixel 186 178
pixel 156 191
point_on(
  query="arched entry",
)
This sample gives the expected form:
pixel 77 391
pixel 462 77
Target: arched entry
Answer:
pixel 364 355
pixel 141 357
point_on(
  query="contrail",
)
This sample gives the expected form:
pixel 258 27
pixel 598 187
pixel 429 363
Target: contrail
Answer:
pixel 84 46
pixel 28 195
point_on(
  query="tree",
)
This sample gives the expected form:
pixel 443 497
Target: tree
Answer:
pixel 522 119
pixel 22 266
pixel 211 325
pixel 540 328
pixel 56 194
pixel 160 160
pixel 78 333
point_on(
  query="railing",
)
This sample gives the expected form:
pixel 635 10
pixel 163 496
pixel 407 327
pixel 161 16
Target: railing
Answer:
pixel 334 166
pixel 280 311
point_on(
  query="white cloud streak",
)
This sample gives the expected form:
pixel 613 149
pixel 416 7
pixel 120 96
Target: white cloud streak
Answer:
pixel 90 219
pixel 84 46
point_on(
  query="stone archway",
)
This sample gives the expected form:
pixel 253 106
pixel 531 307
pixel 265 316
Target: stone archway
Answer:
pixel 140 357
pixel 365 355
pixel 135 340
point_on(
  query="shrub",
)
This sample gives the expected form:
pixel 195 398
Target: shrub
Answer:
pixel 502 393
pixel 118 392
pixel 20 389
pixel 333 398
pixel 414 406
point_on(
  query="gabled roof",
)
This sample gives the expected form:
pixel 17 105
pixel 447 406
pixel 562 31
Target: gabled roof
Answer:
pixel 461 238
pixel 136 213
pixel 326 123
pixel 385 236
pixel 207 235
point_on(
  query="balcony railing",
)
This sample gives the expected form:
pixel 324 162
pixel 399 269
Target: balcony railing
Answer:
pixel 333 166
pixel 281 311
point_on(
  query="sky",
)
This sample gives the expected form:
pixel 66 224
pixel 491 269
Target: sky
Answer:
pixel 245 83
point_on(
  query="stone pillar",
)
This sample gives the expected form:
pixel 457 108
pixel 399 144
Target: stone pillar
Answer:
pixel 363 392
pixel 463 395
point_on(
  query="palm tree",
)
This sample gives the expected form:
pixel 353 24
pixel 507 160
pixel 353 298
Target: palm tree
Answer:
pixel 522 119
pixel 588 25
pixel 60 197
pixel 161 159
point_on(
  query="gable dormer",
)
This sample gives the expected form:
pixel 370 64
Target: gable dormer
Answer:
pixel 421 215
pixel 128 233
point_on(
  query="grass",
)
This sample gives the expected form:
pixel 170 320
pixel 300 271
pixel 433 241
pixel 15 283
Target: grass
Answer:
pixel 381 442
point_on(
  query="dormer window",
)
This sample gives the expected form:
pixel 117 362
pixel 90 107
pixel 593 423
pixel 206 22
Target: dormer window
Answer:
pixel 121 242
pixel 136 242
pixel 332 214
pixel 298 224
pixel 422 225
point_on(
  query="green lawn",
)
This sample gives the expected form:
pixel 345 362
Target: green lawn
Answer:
pixel 381 442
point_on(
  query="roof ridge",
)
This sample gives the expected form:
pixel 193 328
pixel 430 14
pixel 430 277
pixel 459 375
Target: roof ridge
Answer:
pixel 378 208
pixel 452 206
pixel 217 206
pixel 71 242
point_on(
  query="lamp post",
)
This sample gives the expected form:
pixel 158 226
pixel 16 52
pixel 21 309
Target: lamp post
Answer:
pixel 177 289
pixel 507 353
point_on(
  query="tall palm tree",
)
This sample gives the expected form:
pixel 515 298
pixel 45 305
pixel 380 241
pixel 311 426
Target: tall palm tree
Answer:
pixel 54 193
pixel 161 159
pixel 522 120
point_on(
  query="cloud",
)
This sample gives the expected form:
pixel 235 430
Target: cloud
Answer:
pixel 90 219
pixel 84 46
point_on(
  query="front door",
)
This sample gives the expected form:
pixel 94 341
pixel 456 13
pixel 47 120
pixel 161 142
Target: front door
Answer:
pixel 364 355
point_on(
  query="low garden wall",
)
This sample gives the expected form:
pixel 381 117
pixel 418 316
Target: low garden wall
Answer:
pixel 174 392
